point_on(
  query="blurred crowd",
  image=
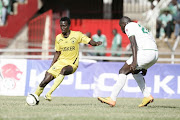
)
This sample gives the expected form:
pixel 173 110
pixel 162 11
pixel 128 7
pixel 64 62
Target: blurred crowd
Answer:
pixel 168 27
pixel 168 21
pixel 6 8
pixel 116 44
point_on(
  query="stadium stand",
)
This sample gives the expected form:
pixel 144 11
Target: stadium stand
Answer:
pixel 39 33
pixel 25 12
pixel 30 31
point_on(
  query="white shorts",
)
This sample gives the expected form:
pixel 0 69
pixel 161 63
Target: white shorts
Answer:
pixel 145 59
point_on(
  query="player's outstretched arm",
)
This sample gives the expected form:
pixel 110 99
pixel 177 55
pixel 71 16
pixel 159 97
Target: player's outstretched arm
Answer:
pixel 93 43
pixel 134 51
pixel 56 56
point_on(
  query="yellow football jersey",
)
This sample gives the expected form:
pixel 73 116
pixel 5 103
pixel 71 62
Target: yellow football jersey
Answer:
pixel 69 46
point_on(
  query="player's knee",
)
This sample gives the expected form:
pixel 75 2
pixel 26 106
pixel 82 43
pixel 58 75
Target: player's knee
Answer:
pixel 67 70
pixel 63 71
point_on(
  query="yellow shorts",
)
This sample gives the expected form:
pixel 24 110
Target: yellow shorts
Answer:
pixel 56 68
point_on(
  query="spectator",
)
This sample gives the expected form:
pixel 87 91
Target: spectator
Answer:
pixel 177 25
pixel 102 38
pixel 9 8
pixel 20 1
pixel 173 7
pixel 148 14
pixel 116 43
pixel 164 24
pixel 0 13
pixel 88 34
pixel 4 11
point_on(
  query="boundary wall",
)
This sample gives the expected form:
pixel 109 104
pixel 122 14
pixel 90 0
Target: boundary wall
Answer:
pixel 19 77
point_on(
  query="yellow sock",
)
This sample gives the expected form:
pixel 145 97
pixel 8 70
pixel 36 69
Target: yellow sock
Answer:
pixel 39 90
pixel 57 82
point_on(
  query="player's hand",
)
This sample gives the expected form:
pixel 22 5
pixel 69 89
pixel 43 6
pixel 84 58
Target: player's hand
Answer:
pixel 98 43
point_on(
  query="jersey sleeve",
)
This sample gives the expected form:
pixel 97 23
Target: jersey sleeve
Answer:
pixel 83 38
pixel 130 29
pixel 57 44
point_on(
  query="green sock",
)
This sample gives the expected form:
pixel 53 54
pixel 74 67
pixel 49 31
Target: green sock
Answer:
pixel 57 82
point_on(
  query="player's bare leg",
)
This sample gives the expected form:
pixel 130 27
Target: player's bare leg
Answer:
pixel 48 77
pixel 124 71
pixel 65 71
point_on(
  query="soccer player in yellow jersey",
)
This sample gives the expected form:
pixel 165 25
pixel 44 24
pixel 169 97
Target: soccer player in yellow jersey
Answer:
pixel 66 57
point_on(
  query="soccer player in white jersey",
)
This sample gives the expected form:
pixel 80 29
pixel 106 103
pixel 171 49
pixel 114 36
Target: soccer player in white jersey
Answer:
pixel 145 54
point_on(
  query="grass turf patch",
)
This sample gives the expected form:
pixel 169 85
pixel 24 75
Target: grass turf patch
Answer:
pixel 70 108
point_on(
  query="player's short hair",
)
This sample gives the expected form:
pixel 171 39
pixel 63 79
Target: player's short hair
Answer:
pixel 66 19
pixel 125 19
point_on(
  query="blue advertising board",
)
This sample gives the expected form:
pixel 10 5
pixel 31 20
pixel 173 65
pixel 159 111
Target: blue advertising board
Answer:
pixel 93 79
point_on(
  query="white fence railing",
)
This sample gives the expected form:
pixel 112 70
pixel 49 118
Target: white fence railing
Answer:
pixel 166 57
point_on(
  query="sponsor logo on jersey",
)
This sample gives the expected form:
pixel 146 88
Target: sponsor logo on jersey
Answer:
pixel 73 40
pixel 71 48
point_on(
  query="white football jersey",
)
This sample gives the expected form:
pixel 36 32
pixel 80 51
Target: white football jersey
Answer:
pixel 144 38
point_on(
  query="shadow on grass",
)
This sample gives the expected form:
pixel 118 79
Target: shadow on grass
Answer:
pixel 163 106
pixel 77 104
pixel 69 104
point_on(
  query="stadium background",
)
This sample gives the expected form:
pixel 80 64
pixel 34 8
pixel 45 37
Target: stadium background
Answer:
pixel 27 42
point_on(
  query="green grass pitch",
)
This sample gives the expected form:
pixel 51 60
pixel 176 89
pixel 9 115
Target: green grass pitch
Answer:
pixel 67 108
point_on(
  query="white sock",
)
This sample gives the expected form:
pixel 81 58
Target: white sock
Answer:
pixel 141 83
pixel 118 86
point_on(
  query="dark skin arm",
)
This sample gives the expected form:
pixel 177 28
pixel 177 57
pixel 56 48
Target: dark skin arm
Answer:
pixel 134 51
pixel 56 56
pixel 93 43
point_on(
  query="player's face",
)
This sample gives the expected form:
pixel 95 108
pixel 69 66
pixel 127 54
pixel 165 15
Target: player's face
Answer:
pixel 122 25
pixel 64 26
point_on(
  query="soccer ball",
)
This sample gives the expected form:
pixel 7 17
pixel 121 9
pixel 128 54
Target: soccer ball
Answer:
pixel 32 99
